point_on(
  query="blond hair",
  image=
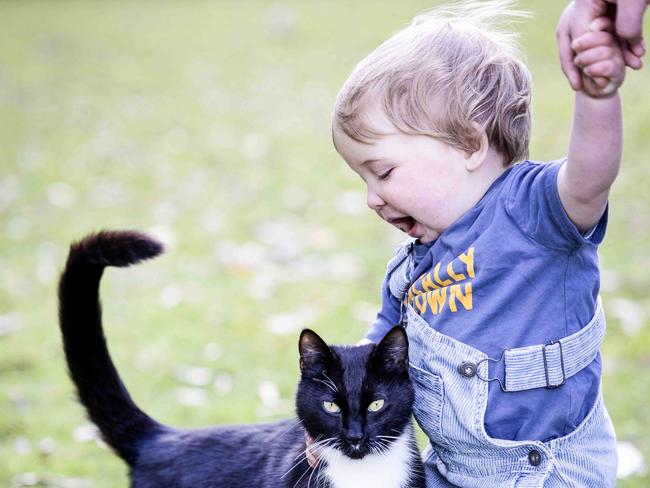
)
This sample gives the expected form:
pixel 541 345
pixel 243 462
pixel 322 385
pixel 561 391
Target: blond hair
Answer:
pixel 452 73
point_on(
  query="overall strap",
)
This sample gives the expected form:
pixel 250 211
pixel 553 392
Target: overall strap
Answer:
pixel 400 269
pixel 549 365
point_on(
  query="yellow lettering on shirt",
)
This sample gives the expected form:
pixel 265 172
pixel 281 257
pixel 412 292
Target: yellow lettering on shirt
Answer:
pixel 436 300
pixel 428 284
pixel 455 290
pixel 465 299
pixel 436 277
pixel 421 307
pixel 468 259
pixel 454 276
pixel 414 292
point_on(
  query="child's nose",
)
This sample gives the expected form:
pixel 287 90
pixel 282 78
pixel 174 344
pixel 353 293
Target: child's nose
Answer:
pixel 374 201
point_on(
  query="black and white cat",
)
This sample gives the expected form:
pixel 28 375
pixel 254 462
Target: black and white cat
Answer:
pixel 354 401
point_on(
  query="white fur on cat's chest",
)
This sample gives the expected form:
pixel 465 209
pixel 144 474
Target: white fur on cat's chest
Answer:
pixel 388 470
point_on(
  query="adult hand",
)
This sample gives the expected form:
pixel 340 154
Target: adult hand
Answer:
pixel 575 21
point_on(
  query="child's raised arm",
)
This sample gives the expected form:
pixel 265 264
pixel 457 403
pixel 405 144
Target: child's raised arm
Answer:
pixel 596 142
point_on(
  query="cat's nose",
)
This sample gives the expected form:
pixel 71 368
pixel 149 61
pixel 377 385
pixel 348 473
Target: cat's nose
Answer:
pixel 354 440
pixel 354 434
pixel 354 443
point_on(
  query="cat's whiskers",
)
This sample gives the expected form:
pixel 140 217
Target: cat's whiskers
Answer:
pixel 323 443
pixel 317 443
pixel 303 454
pixel 379 446
pixel 337 453
pixel 320 477
pixel 301 477
pixel 333 388
pixel 331 382
pixel 316 471
pixel 314 446
pixel 388 436
pixel 372 448
pixel 310 477
pixel 386 442
pixel 302 457
pixel 385 448
pixel 383 443
pixel 327 382
pixel 375 448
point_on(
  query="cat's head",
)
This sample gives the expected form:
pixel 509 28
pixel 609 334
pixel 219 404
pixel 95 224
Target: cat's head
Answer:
pixel 354 399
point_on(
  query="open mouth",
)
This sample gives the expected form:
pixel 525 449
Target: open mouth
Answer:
pixel 405 224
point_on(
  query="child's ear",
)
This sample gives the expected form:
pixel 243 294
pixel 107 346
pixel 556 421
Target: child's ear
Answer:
pixel 475 159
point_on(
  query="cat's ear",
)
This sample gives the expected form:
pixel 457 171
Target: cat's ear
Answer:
pixel 391 355
pixel 313 350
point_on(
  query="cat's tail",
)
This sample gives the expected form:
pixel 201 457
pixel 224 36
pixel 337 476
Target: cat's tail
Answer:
pixel 122 424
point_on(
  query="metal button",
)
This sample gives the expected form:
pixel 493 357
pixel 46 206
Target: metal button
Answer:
pixel 467 369
pixel 535 457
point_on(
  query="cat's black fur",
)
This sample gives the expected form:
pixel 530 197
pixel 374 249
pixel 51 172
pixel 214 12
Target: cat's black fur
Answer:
pixel 267 455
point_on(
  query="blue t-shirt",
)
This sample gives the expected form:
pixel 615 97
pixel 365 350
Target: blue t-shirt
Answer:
pixel 513 271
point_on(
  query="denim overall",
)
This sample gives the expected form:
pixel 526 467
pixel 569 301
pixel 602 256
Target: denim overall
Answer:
pixel 451 391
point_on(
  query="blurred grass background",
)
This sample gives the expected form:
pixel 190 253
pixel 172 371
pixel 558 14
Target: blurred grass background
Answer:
pixel 208 123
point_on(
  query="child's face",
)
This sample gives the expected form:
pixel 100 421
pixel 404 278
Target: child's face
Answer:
pixel 415 183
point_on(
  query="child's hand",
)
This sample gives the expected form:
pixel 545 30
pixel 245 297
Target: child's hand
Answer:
pixel 599 56
pixel 311 452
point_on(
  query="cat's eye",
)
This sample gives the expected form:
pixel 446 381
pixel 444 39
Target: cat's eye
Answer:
pixel 331 407
pixel 376 406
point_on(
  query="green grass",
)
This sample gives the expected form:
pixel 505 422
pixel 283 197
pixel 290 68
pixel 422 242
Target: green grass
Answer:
pixel 209 123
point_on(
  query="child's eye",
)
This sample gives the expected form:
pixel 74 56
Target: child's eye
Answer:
pixel 385 175
pixel 331 407
pixel 376 406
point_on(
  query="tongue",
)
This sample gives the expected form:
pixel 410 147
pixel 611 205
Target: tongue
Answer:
pixel 406 223
pixel 411 227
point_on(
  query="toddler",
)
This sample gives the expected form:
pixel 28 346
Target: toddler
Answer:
pixel 498 284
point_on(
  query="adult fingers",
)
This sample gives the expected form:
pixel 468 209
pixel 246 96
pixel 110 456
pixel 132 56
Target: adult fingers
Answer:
pixel 629 20
pixel 631 59
pixel 563 34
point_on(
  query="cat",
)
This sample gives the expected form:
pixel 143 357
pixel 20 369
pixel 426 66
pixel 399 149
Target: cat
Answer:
pixel 355 401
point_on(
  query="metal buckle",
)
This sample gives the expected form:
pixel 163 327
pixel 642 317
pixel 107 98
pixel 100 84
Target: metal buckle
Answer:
pixel 487 380
pixel 548 383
